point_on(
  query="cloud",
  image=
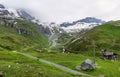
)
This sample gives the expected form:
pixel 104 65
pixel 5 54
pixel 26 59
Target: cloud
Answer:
pixel 68 10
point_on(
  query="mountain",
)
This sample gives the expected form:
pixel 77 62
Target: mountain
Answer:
pixel 23 14
pixel 105 36
pixel 77 26
pixel 85 20
pixel 74 27
pixel 19 33
pixel 90 20
pixel 16 13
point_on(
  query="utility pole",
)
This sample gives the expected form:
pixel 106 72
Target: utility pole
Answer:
pixel 94 51
pixel 63 49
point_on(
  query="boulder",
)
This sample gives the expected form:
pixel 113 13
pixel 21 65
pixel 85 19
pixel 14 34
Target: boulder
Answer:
pixel 87 65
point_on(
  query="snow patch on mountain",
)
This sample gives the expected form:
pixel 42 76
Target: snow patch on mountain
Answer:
pixel 13 12
pixel 79 26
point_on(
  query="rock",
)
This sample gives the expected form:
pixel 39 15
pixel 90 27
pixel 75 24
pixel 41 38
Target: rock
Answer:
pixel 87 65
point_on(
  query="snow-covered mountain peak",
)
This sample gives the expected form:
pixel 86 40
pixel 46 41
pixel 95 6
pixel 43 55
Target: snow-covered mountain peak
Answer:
pixel 13 12
pixel 77 26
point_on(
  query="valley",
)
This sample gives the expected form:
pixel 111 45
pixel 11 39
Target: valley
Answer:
pixel 54 50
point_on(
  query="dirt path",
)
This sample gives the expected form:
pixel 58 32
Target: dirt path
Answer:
pixel 55 65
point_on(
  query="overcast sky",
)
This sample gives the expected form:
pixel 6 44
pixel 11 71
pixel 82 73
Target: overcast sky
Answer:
pixel 68 10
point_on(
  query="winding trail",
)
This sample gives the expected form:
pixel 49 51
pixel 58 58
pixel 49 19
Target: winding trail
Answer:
pixel 55 65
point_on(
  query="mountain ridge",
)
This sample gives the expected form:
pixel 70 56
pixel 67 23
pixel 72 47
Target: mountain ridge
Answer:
pixel 84 20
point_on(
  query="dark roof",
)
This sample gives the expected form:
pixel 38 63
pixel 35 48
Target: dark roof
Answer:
pixel 2 6
pixel 108 53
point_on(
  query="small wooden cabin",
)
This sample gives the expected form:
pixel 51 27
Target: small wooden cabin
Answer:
pixel 109 55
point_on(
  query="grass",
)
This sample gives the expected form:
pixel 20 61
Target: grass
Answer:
pixel 14 65
pixel 106 68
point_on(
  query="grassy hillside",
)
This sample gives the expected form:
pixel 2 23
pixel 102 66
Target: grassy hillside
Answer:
pixel 10 39
pixel 105 37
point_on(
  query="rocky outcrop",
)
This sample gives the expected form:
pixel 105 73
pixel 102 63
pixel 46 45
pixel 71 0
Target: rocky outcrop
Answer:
pixel 13 24
pixel 87 65
pixel 23 31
